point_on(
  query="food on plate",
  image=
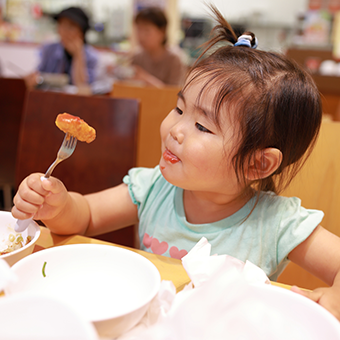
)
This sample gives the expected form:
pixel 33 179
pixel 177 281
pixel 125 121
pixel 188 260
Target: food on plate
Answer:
pixel 76 127
pixel 15 241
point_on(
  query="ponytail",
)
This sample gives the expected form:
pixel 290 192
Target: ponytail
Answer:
pixel 224 32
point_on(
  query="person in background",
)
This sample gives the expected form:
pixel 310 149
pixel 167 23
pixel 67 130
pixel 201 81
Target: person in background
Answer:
pixel 155 64
pixel 71 55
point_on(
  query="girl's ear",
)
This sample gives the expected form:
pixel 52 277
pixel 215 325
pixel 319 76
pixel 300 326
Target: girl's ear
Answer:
pixel 264 163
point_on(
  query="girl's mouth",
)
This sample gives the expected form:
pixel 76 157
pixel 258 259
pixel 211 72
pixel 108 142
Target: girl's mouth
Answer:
pixel 170 157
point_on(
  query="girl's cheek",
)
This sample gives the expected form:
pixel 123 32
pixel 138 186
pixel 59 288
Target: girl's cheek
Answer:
pixel 166 124
pixel 163 129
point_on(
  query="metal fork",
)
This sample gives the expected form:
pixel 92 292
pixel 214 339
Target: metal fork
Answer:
pixel 65 151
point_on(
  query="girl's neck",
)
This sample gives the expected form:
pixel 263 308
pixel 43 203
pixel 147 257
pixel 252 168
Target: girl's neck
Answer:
pixel 202 207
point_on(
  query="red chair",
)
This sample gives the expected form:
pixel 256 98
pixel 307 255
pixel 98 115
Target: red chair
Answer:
pixel 12 96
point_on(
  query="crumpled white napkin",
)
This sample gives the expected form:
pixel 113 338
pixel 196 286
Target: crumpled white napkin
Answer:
pixel 202 269
pixel 200 266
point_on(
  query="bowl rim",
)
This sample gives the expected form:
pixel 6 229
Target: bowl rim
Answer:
pixel 33 241
pixel 146 300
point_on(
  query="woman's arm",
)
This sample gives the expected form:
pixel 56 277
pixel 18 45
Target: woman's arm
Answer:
pixel 79 71
pixel 74 45
pixel 147 78
pixel 319 254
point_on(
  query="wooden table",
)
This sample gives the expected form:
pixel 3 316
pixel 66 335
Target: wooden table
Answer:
pixel 170 269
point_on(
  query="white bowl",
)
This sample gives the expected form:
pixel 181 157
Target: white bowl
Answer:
pixel 109 286
pixel 33 317
pixel 7 223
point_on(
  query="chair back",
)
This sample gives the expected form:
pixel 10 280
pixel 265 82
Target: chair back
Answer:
pixel 318 187
pixel 92 167
pixel 12 97
pixel 156 103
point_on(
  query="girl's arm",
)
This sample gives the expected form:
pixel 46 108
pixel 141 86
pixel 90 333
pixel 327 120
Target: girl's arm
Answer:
pixel 96 213
pixel 319 254
pixel 66 212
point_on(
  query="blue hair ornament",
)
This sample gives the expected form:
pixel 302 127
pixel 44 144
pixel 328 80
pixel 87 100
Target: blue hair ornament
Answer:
pixel 245 40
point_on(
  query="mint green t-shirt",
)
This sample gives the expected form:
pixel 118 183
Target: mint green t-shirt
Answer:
pixel 274 228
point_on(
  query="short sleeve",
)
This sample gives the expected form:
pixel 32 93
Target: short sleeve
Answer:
pixel 140 182
pixel 297 224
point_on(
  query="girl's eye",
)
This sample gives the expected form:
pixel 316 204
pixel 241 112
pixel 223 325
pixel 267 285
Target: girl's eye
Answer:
pixel 178 110
pixel 202 128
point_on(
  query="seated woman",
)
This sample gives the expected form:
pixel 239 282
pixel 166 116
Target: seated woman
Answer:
pixel 71 56
pixel 155 64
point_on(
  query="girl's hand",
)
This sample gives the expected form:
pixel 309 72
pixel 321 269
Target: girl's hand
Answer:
pixel 41 200
pixel 328 298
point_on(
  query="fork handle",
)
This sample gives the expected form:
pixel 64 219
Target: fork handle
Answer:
pixel 22 225
pixel 51 168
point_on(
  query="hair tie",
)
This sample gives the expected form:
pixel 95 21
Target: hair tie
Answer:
pixel 245 40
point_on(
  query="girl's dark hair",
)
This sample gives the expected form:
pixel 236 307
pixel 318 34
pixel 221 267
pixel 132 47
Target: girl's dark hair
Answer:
pixel 155 16
pixel 275 102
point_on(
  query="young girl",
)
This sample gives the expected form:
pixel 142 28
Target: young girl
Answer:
pixel 244 123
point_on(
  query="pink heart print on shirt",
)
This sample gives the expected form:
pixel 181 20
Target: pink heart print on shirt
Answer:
pixel 157 247
pixel 160 248
pixel 147 240
pixel 177 254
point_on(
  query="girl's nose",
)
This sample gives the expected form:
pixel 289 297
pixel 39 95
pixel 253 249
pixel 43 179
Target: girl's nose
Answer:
pixel 176 132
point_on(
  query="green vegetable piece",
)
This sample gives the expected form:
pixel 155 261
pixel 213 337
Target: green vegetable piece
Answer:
pixel 11 237
pixel 19 239
pixel 43 269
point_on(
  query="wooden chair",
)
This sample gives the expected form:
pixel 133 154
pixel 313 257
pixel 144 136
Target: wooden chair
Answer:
pixel 318 187
pixel 92 167
pixel 12 96
pixel 155 105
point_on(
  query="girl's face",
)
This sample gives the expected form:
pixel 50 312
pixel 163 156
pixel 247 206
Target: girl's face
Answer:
pixel 196 154
pixel 149 36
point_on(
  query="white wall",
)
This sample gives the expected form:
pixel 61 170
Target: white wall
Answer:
pixel 18 60
pixel 270 11
pixel 280 12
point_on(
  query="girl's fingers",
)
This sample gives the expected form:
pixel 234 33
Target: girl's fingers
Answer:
pixel 52 185
pixel 20 214
pixel 32 183
pixel 32 194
